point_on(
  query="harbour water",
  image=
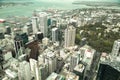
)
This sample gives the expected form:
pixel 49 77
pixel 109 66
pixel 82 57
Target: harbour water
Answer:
pixel 27 10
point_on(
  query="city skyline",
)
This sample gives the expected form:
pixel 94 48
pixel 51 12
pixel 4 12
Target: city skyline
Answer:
pixel 59 40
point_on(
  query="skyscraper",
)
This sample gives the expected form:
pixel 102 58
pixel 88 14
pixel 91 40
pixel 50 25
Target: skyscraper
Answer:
pixel 8 30
pixel 74 61
pixel 51 60
pixel 109 71
pixel 24 71
pixel 43 68
pixel 18 42
pixel 35 25
pixel 116 48
pixel 43 23
pixel 33 45
pixel 34 69
pixel 55 34
pixel 39 36
pixel 70 36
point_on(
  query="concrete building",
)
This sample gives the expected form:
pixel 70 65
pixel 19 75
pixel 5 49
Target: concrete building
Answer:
pixel 79 70
pixel 72 76
pixel 43 23
pixel 55 76
pixel 18 44
pixel 74 61
pixel 34 69
pixel 45 41
pixel 35 25
pixel 39 36
pixel 116 49
pixel 43 71
pixel 55 34
pixel 51 60
pixel 12 75
pixel 24 71
pixel 70 36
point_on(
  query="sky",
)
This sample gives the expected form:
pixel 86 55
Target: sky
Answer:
pixel 66 0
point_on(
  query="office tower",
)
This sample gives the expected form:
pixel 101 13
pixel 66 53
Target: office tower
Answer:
pixel 116 49
pixel 1 58
pixel 24 36
pixel 51 60
pixel 55 34
pixel 70 36
pixel 35 25
pixel 39 36
pixel 49 22
pixel 18 43
pixel 2 35
pixel 8 30
pixel 34 69
pixel 60 64
pixel 24 71
pixel 33 45
pixel 43 23
pixel 79 70
pixel 74 61
pixel 109 71
pixel 45 41
pixel 90 70
pixel 43 68
pixel 26 30
pixel 54 22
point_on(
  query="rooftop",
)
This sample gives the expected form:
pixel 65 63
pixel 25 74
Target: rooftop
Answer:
pixel 79 68
pixel 115 64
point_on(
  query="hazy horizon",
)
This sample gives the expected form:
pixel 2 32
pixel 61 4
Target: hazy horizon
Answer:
pixel 65 0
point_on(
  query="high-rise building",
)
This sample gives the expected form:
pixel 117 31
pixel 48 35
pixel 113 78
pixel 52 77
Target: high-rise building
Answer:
pixel 55 34
pixel 24 37
pixel 74 61
pixel 51 60
pixel 18 42
pixel 109 71
pixel 34 47
pixel 116 49
pixel 2 35
pixel 54 22
pixel 49 22
pixel 8 30
pixel 24 71
pixel 25 29
pixel 70 36
pixel 39 36
pixel 43 68
pixel 43 23
pixel 34 69
pixel 35 25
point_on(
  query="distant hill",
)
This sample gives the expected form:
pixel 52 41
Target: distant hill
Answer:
pixel 97 3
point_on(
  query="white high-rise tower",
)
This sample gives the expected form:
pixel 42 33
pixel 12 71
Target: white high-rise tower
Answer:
pixel 24 71
pixel 35 25
pixel 34 69
pixel 116 48
pixel 70 36
pixel 43 23
pixel 55 34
